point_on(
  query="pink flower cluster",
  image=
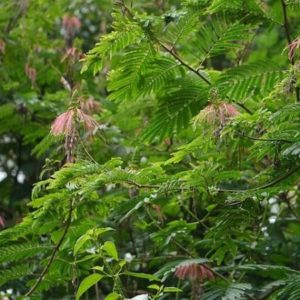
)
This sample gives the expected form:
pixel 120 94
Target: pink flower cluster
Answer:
pixel 2 46
pixel 293 46
pixel 65 123
pixel 218 113
pixel 70 24
pixel 90 106
pixel 30 73
pixel 194 272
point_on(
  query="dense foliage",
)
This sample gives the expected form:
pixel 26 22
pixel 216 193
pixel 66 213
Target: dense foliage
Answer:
pixel 150 149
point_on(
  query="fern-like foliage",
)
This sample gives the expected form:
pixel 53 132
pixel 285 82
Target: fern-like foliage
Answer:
pixel 176 109
pixel 233 291
pixel 16 272
pixel 125 33
pixel 16 252
pixel 178 29
pixel 219 36
pixel 251 6
pixel 124 82
pixel 249 80
pixel 145 75
pixel 292 2
pixel 292 289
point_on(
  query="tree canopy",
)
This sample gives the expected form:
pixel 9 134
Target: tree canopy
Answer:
pixel 150 149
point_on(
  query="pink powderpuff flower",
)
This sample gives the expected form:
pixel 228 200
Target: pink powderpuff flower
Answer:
pixel 72 55
pixel 2 222
pixel 2 46
pixel 89 123
pixel 63 124
pixel 292 47
pixel 90 106
pixel 217 113
pixel 70 24
pixel 30 73
pixel 194 272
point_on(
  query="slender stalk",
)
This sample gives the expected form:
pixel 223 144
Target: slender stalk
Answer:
pixel 54 252
pixel 267 185
pixel 97 292
pixel 286 26
pixel 266 140
pixel 170 51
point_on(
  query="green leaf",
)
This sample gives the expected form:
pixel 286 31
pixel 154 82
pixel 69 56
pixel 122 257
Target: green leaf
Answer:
pixel 253 79
pixel 154 287
pixel 112 296
pixel 141 275
pixel 110 248
pixel 80 242
pixel 183 100
pixel 98 268
pixel 87 283
pixel 219 36
pixel 91 233
pixel 171 289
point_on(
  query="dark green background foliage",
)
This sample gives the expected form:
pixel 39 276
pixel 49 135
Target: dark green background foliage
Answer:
pixel 181 150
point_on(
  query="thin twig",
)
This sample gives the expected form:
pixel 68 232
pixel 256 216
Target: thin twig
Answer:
pixel 265 140
pixel 143 186
pixel 195 71
pixel 267 185
pixel 242 105
pixel 286 25
pixel 183 62
pixel 55 250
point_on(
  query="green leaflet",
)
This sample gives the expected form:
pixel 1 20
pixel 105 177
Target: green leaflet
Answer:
pixel 15 272
pixel 249 80
pixel 21 251
pixel 87 283
pixel 219 36
pixel 228 292
pixel 125 33
pixel 176 109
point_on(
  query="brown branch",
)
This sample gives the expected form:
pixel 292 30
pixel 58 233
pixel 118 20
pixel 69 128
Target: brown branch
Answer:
pixel 170 51
pixel 289 39
pixel 195 71
pixel 55 250
pixel 286 24
pixel 242 105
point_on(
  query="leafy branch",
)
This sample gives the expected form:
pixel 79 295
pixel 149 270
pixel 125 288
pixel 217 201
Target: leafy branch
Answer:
pixel 54 252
